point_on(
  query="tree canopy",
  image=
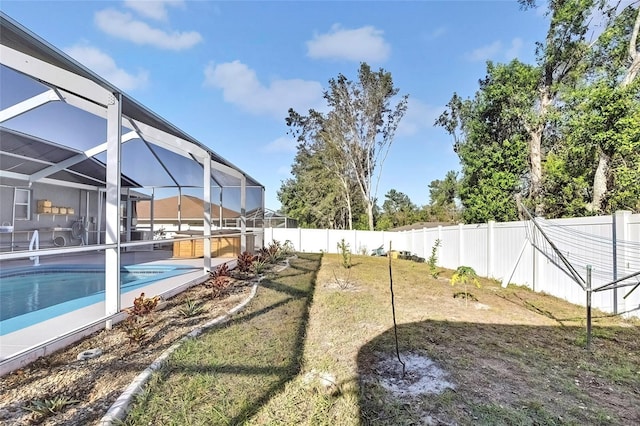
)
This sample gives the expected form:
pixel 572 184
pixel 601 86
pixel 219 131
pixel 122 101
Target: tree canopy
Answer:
pixel 351 140
pixel 561 135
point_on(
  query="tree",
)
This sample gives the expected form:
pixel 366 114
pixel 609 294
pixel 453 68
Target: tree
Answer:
pixel 597 162
pixel 398 208
pixel 616 60
pixel 314 197
pixel 490 137
pixel 443 195
pixel 360 126
pixel 559 58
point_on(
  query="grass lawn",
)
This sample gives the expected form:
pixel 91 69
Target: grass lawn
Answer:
pixel 317 347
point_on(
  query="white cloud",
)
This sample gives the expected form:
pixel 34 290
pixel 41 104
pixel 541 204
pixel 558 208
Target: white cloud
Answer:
pixel 123 25
pixel 240 86
pixel 437 33
pixel 514 50
pixel 361 44
pixel 485 52
pixel 104 65
pixel 284 171
pixel 497 51
pixel 419 116
pixel 153 9
pixel 282 144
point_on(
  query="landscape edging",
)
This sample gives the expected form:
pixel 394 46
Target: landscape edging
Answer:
pixel 119 408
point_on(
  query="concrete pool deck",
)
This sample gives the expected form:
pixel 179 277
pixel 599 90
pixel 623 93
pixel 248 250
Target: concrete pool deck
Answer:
pixel 28 338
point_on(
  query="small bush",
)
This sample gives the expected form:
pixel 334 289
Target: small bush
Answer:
pixel 135 327
pixel 287 248
pixel 245 260
pixel 190 308
pixel 220 271
pixel 432 261
pixel 219 285
pixel 49 407
pixel 274 251
pixel 259 266
pixel 465 275
pixel 345 252
pixel 143 305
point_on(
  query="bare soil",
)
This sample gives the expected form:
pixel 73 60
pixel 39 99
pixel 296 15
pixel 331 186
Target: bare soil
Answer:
pixel 93 385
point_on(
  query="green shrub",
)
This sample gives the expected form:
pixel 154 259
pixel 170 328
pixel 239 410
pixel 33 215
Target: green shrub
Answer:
pixel 345 252
pixel 432 261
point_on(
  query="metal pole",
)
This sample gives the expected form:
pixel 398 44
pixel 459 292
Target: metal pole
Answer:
pixel 588 307
pixel 615 263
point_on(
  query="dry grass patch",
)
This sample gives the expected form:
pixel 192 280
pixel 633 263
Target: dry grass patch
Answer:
pixel 514 357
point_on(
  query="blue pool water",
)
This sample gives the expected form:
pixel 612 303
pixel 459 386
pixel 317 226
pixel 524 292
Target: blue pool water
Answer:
pixel 34 294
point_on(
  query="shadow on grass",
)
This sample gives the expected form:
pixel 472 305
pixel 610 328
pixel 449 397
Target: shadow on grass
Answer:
pixel 503 375
pixel 266 339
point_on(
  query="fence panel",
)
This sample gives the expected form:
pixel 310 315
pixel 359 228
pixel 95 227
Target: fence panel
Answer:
pixel 502 251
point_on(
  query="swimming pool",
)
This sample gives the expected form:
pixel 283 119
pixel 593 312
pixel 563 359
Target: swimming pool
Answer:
pixel 34 294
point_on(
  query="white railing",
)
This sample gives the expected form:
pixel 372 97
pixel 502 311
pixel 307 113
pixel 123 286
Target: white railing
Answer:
pixel 34 244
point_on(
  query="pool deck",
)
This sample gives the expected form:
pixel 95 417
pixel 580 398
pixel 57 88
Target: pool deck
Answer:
pixel 22 340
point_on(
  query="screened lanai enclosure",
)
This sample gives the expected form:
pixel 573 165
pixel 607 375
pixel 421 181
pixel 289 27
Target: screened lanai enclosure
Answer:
pixel 95 186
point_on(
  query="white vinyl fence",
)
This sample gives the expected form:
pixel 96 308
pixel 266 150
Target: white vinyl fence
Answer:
pixel 503 251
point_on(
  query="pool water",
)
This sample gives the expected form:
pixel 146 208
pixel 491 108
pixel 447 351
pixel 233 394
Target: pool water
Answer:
pixel 35 294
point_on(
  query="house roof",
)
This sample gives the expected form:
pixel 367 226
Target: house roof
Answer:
pixel 420 225
pixel 190 208
pixel 43 87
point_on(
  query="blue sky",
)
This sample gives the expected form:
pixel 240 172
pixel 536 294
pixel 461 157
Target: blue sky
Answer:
pixel 227 72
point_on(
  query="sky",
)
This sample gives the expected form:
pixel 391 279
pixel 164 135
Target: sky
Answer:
pixel 226 73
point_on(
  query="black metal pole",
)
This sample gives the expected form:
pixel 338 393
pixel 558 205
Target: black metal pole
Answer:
pixel 393 310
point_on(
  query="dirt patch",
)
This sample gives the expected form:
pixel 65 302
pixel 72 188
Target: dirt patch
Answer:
pixel 420 375
pixel 90 386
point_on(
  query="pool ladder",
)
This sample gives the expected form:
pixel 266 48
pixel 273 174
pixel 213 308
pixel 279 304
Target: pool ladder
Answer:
pixel 35 242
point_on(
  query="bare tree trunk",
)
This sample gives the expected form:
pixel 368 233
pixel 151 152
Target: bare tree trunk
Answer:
pixel 370 214
pixel 600 178
pixel 634 55
pixel 600 182
pixel 535 150
pixel 349 212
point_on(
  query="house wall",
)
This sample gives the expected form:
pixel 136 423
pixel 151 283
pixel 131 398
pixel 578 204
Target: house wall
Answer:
pixel 59 196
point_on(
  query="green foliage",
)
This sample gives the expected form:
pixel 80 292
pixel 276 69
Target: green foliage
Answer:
pixel 345 252
pixel 191 308
pixel 341 151
pixel 273 253
pixel 135 327
pixel 49 407
pixel 443 195
pixel 432 261
pixel 287 248
pixel 399 209
pixel 490 137
pixel 259 266
pixel 465 275
pixel 563 135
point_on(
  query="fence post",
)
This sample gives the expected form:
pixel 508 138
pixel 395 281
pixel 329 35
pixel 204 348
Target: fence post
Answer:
pixel 439 249
pixel 424 244
pixel 620 232
pixel 490 247
pixel 460 245
pixel 328 235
